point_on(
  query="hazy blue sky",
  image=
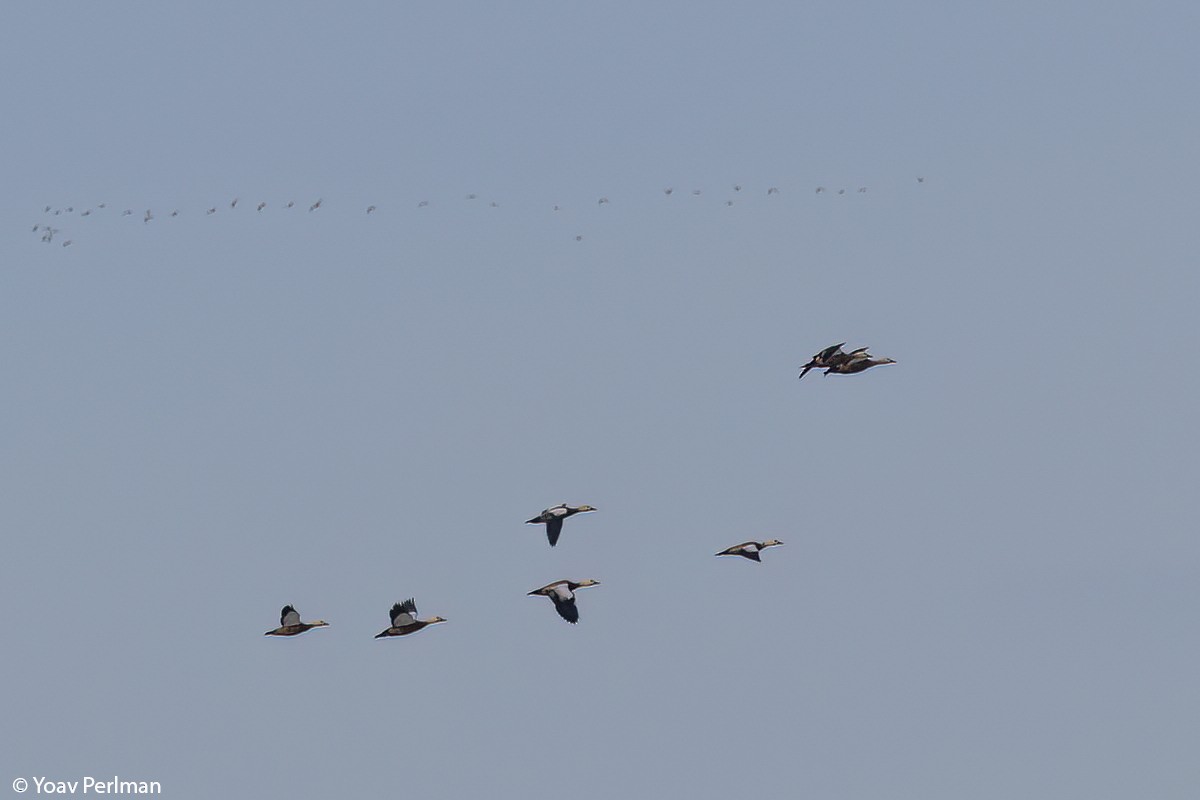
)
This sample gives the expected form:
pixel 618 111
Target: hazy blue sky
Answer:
pixel 989 584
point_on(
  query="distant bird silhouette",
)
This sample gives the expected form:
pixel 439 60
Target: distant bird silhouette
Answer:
pixel 920 179
pixel 820 189
pixel 862 189
pixel 603 200
pixel 234 203
pixel 773 190
pixel 579 238
pixel 102 205
pixel 212 210
pixel 261 206
pixel 290 624
pixel 404 620
pixel 70 209
pixel 841 191
pixel 370 209
pixel 46 210
pixel 728 202
pixel 422 204
pixel 127 212
pixel 175 213
pixel 67 243
pixel 494 204
pixel 471 196
pixel 315 205
pixel 290 204
pixel 563 595
pixel 149 216
pixel 667 191
pixel 87 213
pixel 737 187
pixel 696 192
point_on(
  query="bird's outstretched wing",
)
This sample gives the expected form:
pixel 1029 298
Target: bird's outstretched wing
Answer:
pixel 404 614
pixel 289 616
pixel 566 609
pixel 554 529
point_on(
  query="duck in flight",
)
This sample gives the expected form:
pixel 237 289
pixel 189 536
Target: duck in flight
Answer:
pixel 750 550
pixel 553 518
pixel 857 361
pixel 824 358
pixel 290 624
pixel 404 620
pixel 563 595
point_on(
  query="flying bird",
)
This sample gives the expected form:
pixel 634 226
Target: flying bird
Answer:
pixel 404 620
pixel 149 216
pixel 290 624
pixel 370 209
pixel 603 200
pixel 67 243
pixel 212 210
pixel 563 595
pixel 261 206
pixel 773 190
pixel 315 205
pixel 553 518
pixel 234 203
pixel 290 204
pixel 824 358
pixel 750 550
pixel 667 191
pixel 858 361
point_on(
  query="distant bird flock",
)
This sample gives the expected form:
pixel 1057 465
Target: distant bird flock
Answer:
pixel 52 231
pixel 561 593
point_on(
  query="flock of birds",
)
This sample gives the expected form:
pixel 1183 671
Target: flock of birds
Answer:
pixel 403 616
pixel 50 231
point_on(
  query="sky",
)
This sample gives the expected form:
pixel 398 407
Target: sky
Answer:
pixel 987 587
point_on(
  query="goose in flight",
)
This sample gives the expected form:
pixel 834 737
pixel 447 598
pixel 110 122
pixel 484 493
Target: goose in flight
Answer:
pixel 563 595
pixel 857 361
pixel 404 620
pixel 824 358
pixel 290 624
pixel 750 550
pixel 315 205
pixel 553 519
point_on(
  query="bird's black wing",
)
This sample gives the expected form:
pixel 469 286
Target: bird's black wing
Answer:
pixel 400 610
pixel 553 529
pixel 566 609
pixel 283 616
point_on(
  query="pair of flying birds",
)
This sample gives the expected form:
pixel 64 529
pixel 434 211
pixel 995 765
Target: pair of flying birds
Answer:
pixel 834 359
pixel 403 617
